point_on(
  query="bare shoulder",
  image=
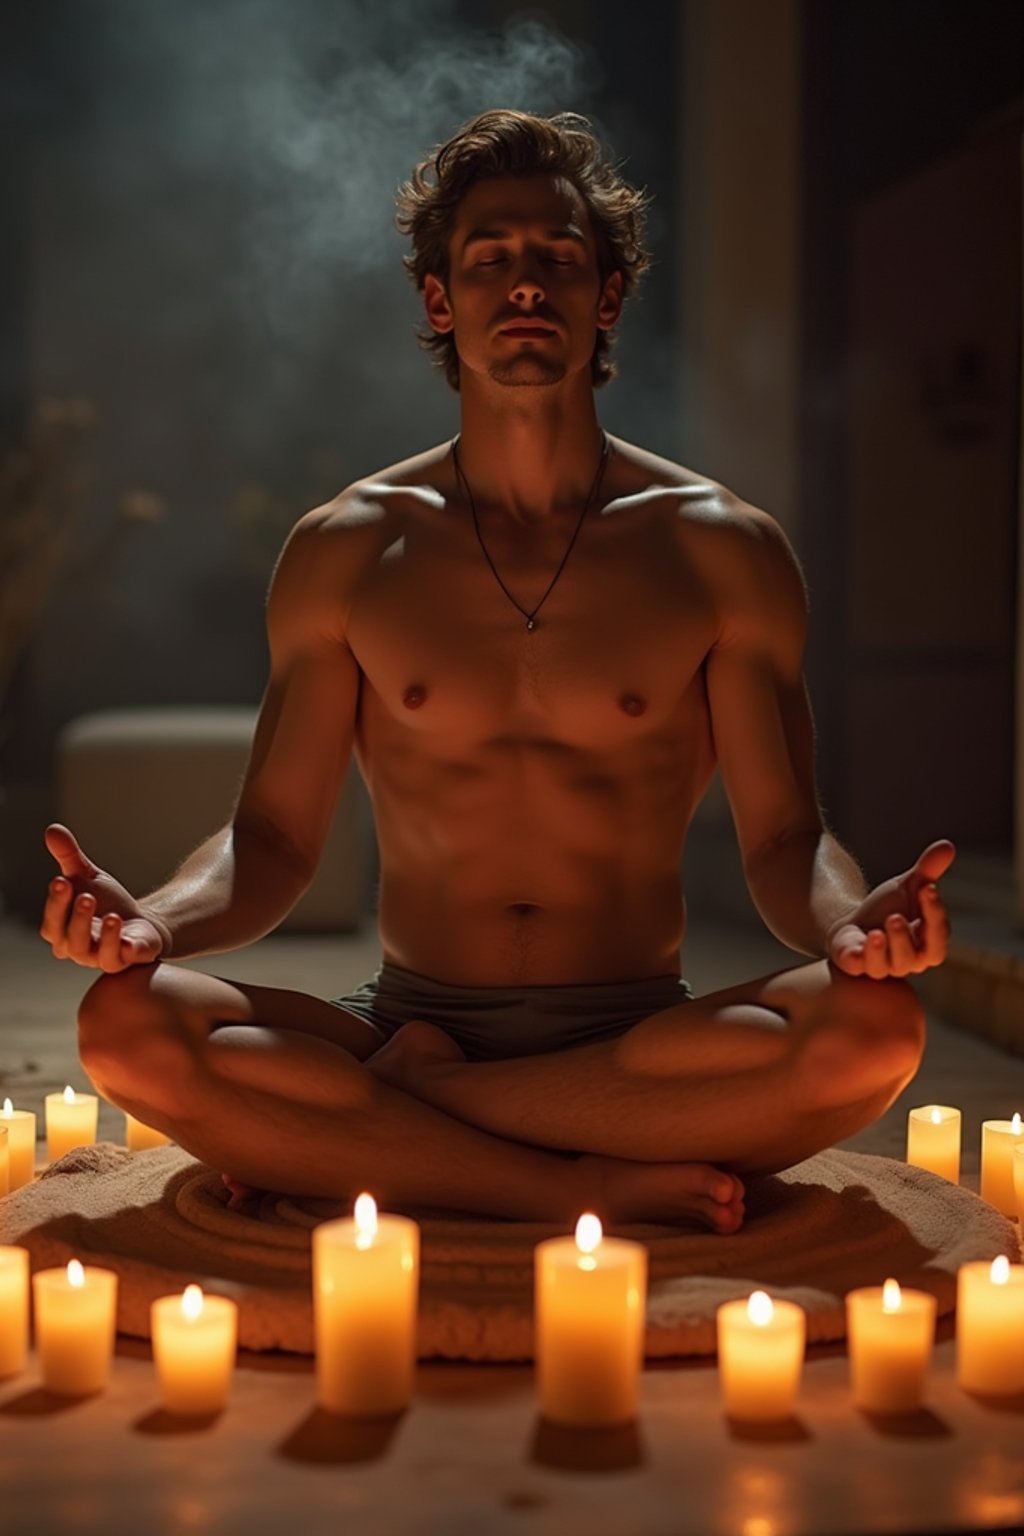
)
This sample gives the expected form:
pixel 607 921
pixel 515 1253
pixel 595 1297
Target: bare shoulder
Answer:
pixel 331 549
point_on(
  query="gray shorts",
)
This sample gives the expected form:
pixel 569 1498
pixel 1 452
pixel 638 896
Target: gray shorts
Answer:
pixel 491 1023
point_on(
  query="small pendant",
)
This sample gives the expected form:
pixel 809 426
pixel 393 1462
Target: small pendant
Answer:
pixel 531 622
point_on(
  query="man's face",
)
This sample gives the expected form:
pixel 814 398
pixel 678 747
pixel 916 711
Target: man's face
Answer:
pixel 524 297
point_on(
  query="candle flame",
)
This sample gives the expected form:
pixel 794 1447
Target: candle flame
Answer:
pixel 365 1213
pixel 1000 1271
pixel 760 1309
pixel 192 1302
pixel 69 1095
pixel 588 1232
pixel 76 1274
pixel 936 1117
pixel 891 1297
pixel 1015 1125
pixel 8 1109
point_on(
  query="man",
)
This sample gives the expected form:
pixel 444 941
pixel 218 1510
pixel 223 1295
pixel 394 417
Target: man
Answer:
pixel 541 642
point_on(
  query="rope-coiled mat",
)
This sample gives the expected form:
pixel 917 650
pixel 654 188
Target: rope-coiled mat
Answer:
pixel 838 1220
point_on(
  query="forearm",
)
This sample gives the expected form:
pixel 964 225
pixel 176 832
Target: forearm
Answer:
pixel 232 890
pixel 803 886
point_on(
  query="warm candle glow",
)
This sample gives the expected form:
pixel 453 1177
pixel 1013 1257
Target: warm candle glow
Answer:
pixel 1015 1125
pixel 891 1296
pixel 365 1213
pixel 760 1309
pixel 192 1302
pixel 8 1109
pixel 1000 1271
pixel 69 1095
pixel 936 1117
pixel 588 1232
pixel 76 1274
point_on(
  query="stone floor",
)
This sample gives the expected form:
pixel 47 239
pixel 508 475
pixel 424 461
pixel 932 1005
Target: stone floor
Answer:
pixel 471 1455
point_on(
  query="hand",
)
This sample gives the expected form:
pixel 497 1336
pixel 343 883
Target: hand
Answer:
pixel 90 918
pixel 901 927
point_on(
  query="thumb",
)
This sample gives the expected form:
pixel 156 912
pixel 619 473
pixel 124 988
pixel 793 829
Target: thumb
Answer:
pixel 64 847
pixel 936 859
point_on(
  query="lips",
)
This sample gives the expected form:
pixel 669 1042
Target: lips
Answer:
pixel 522 329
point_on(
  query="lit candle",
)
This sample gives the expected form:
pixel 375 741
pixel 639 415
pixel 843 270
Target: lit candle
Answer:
pixel 1018 1180
pixel 998 1139
pixel 195 1340
pixel 13 1310
pixel 20 1125
pixel 990 1326
pixel 138 1136
pixel 760 1356
pixel 5 1162
pixel 933 1140
pixel 71 1120
pixel 890 1333
pixel 75 1312
pixel 365 1294
pixel 591 1306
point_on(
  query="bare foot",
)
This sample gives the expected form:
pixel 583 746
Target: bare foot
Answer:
pixel 406 1060
pixel 631 1191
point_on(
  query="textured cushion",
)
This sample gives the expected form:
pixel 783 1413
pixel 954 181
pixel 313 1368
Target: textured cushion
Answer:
pixel 836 1221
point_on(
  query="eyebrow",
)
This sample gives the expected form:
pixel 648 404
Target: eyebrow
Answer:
pixel 502 231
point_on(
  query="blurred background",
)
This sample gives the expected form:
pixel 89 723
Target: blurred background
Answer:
pixel 206 330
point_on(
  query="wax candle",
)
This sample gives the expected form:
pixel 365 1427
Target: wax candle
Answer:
pixel 5 1162
pixel 138 1136
pixel 990 1326
pixel 998 1139
pixel 590 1295
pixel 71 1120
pixel 195 1339
pixel 13 1310
pixel 1018 1179
pixel 20 1125
pixel 75 1312
pixel 890 1334
pixel 365 1297
pixel 933 1140
pixel 760 1356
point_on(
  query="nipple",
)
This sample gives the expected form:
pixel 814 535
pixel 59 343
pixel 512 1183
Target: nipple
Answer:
pixel 632 704
pixel 414 696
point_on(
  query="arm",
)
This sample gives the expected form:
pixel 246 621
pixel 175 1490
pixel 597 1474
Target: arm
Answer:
pixel 243 880
pixel 807 888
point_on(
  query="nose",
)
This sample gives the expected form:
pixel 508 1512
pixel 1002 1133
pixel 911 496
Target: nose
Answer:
pixel 526 290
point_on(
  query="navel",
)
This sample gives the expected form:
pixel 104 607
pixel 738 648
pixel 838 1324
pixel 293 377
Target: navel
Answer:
pixel 414 696
pixel 632 704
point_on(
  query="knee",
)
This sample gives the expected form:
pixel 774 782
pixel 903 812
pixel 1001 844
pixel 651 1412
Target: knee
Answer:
pixel 125 1041
pixel 870 1038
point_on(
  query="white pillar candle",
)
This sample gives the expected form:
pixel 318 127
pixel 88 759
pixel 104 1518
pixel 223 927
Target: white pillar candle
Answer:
pixel 1018 1180
pixel 20 1125
pixel 590 1300
pixel 5 1162
pixel 760 1356
pixel 365 1296
pixel 890 1334
pixel 195 1341
pixel 13 1310
pixel 76 1312
pixel 138 1136
pixel 71 1120
pixel 998 1139
pixel 990 1326
pixel 933 1140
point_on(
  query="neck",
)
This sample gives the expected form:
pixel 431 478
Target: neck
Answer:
pixel 529 458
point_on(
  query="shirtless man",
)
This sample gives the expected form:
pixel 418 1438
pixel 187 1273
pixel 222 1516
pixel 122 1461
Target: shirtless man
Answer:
pixel 541 642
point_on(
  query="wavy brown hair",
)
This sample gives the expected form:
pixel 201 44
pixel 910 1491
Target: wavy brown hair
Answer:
pixel 508 143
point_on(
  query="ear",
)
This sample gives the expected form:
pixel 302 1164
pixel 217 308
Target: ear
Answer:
pixel 435 301
pixel 609 305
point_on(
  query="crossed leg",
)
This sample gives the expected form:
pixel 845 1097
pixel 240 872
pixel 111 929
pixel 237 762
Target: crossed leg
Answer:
pixel 273 1087
pixel 753 1078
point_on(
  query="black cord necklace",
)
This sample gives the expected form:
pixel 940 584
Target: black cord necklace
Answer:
pixel 531 617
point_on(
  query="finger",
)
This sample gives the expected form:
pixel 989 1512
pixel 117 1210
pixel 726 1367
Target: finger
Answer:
pixel 936 926
pixel 55 913
pixel 849 958
pixel 903 957
pixel 79 930
pixel 935 859
pixel 65 848
pixel 109 949
pixel 876 955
